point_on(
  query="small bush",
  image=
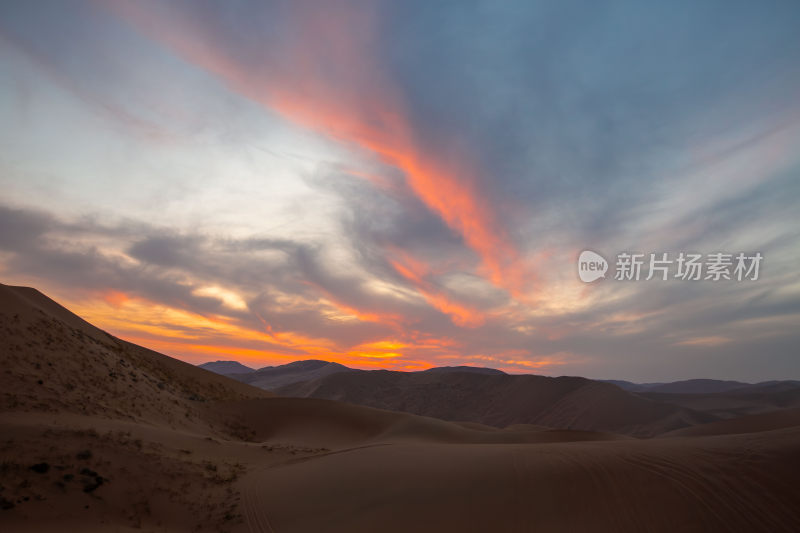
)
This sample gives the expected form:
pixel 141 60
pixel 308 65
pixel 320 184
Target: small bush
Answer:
pixel 40 468
pixel 84 455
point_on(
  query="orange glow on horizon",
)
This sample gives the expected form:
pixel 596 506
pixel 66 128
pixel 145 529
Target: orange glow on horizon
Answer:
pixel 369 117
pixel 197 338
pixel 115 298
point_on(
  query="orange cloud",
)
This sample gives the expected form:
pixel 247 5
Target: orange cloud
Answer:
pixel 416 273
pixel 181 332
pixel 345 310
pixel 514 361
pixel 714 340
pixel 115 298
pixel 197 338
pixel 290 82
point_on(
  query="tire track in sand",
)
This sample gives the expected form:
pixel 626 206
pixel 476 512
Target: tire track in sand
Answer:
pixel 254 510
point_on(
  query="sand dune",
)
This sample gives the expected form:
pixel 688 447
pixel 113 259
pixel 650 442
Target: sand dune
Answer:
pixel 656 485
pixel 120 438
pixel 53 361
pixel 95 431
pixel 314 422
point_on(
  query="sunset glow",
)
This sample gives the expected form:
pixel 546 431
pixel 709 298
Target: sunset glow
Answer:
pixel 405 189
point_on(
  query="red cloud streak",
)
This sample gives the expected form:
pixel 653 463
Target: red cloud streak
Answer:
pixel 366 112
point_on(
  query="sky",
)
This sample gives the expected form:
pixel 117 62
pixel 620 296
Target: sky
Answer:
pixel 403 185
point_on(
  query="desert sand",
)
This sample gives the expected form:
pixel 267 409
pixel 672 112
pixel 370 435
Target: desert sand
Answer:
pixel 97 434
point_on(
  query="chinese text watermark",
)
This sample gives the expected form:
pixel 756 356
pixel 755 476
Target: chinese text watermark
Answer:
pixel 634 266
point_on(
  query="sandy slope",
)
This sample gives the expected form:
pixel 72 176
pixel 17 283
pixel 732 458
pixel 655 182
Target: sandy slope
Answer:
pixel 54 361
pixel 120 438
pixel 317 423
pixel 106 422
pixel 737 484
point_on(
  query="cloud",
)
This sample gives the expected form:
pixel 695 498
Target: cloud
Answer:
pixel 291 300
pixel 417 273
pixel 101 104
pixel 386 184
pixel 311 94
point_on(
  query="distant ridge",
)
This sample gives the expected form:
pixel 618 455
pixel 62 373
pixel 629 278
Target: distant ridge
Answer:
pixel 273 377
pixel 697 386
pixel 489 396
pixel 501 400
pixel 470 369
pixel 226 367
pixel 702 386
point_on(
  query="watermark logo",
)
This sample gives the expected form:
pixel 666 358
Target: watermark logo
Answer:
pixel 591 266
pixel 686 266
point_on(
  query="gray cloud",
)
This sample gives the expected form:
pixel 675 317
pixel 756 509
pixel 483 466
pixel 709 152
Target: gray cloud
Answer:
pixel 580 121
